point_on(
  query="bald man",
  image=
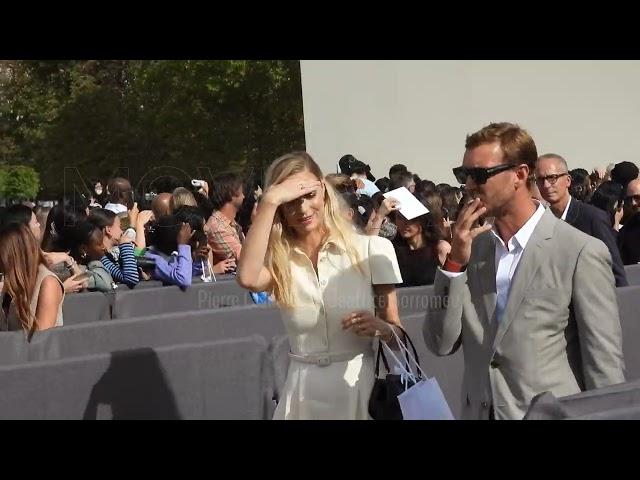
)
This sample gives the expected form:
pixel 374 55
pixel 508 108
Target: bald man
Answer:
pixel 161 205
pixel 553 180
pixel 629 235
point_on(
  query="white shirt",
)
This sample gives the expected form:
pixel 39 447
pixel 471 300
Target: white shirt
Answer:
pixel 507 258
pixel 566 210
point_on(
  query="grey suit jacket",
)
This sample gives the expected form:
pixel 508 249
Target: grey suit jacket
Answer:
pixel 560 330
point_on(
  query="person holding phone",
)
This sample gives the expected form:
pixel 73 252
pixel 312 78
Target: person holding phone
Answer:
pixel 88 249
pixel 200 249
pixel 171 251
pixel 59 263
pixel 124 267
pixel 530 299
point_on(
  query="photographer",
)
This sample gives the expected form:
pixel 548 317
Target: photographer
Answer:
pixel 122 268
pixel 171 251
pixel 88 249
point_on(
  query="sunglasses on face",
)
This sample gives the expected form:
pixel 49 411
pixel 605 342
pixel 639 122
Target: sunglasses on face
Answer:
pixel 479 175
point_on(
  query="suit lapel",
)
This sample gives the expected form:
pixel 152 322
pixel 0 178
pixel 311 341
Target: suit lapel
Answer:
pixel 534 255
pixel 574 211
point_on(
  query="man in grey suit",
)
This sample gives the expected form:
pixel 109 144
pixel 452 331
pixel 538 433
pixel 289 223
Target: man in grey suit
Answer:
pixel 530 299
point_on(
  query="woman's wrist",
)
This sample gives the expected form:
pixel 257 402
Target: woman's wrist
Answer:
pixel 267 200
pixel 387 335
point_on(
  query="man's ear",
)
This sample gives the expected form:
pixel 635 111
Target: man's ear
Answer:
pixel 523 173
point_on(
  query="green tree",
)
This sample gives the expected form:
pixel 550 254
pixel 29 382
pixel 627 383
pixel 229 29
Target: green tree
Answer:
pixel 3 181
pixel 20 183
pixel 98 116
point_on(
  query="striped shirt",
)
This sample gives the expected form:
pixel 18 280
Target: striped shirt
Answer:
pixel 125 269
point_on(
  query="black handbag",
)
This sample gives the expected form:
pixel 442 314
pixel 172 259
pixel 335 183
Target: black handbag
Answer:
pixel 383 403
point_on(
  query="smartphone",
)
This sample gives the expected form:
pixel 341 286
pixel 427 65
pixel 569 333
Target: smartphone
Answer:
pixel 84 276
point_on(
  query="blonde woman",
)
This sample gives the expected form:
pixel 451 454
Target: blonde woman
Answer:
pixel 335 289
pixel 181 197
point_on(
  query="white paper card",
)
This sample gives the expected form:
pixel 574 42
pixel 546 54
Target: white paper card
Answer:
pixel 424 401
pixel 410 206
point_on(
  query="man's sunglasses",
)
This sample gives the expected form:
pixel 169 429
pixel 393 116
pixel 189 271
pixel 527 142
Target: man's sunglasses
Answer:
pixel 479 175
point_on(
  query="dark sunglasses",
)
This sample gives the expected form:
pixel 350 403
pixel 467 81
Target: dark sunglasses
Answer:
pixel 479 175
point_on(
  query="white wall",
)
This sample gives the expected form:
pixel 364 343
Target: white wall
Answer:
pixel 419 112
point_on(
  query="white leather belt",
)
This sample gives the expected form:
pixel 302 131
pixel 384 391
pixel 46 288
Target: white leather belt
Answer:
pixel 325 359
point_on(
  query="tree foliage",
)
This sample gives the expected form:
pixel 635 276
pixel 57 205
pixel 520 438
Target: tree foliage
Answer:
pixel 19 183
pixel 97 116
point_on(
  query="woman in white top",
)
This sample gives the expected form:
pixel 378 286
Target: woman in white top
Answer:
pixel 335 289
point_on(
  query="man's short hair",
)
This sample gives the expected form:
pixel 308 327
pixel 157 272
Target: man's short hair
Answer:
pixel 397 168
pixel 516 144
pixel 555 156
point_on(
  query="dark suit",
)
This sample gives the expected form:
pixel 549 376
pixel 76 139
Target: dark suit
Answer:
pixel 595 222
pixel 629 240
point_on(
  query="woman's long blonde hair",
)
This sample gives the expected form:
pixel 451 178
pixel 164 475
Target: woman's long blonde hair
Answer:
pixel 281 240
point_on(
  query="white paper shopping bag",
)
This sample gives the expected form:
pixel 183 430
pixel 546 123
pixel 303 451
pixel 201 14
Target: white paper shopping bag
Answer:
pixel 424 401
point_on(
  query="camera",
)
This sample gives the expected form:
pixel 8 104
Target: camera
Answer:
pixel 146 264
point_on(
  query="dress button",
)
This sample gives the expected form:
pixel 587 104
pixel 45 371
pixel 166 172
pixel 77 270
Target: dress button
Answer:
pixel 323 283
pixel 485 405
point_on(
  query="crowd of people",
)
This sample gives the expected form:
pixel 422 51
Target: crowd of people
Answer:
pixel 309 241
pixel 525 270
pixel 100 240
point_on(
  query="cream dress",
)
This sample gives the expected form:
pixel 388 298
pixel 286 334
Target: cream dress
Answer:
pixel 341 389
